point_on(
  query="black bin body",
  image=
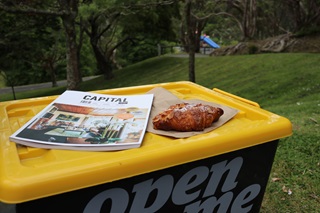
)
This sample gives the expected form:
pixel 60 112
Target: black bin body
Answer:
pixel 233 182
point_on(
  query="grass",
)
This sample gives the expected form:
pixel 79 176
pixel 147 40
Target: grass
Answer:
pixel 286 84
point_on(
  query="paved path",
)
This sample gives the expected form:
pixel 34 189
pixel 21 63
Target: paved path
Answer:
pixel 197 55
pixel 24 88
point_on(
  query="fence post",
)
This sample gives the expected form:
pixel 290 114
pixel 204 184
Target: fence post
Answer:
pixel 159 49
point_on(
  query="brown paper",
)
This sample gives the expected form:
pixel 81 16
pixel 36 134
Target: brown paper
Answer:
pixel 163 99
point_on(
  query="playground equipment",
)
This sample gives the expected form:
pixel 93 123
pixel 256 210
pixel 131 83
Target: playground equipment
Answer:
pixel 208 41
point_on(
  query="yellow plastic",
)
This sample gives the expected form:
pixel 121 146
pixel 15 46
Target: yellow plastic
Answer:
pixel 32 173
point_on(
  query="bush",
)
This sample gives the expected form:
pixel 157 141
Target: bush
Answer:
pixel 253 49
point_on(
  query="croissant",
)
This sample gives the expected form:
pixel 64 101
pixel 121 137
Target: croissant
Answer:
pixel 186 117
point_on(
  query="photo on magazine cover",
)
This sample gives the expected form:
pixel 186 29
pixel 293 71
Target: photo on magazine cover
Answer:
pixel 71 124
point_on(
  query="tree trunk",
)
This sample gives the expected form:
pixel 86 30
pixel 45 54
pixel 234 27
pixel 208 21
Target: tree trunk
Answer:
pixel 104 65
pixel 49 67
pixel 249 19
pixel 73 72
pixel 53 76
pixel 199 26
pixel 72 55
pixel 191 41
pixel 192 75
pixel 197 42
pixel 13 92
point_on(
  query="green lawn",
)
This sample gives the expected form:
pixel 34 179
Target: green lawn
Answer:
pixel 286 84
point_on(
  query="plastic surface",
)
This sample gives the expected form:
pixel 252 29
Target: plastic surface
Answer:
pixel 210 42
pixel 31 173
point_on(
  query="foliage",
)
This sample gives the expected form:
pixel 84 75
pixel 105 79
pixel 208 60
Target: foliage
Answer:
pixel 87 60
pixel 141 24
pixel 269 18
pixel 24 43
pixel 222 31
pixel 147 28
pixel 253 49
pixel 314 30
pixel 138 51
pixel 114 27
pixel 2 81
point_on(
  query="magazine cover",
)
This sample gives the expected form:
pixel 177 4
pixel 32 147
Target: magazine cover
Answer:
pixel 88 121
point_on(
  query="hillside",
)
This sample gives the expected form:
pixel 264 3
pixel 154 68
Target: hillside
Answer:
pixel 286 84
pixel 265 78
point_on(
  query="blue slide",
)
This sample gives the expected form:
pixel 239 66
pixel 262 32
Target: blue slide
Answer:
pixel 209 42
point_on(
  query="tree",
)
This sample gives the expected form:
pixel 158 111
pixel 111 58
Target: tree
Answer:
pixel 191 39
pixel 11 79
pixel 111 24
pixel 50 60
pixel 305 14
pixel 244 13
pixel 195 14
pixel 101 27
pixel 67 10
pixel 22 45
pixel 148 27
pixel 69 16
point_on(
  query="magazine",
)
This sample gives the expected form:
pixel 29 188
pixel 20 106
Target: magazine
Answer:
pixel 88 121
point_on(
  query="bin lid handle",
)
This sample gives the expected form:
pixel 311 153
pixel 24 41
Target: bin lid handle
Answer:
pixel 236 97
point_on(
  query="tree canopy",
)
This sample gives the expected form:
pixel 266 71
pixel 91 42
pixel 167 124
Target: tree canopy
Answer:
pixel 71 38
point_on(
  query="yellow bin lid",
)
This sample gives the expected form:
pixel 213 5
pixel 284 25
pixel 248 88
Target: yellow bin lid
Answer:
pixel 31 173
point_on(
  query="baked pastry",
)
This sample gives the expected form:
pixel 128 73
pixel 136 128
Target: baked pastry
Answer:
pixel 186 117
